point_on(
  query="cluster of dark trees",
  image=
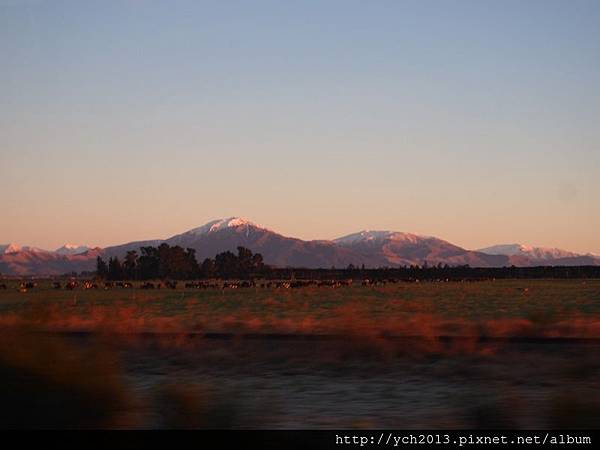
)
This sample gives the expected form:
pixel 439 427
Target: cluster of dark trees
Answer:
pixel 166 262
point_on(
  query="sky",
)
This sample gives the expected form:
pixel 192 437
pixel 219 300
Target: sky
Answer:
pixel 473 121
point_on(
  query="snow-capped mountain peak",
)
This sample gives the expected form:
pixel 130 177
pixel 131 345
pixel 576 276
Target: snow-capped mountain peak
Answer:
pixel 364 236
pixel 72 249
pixel 13 248
pixel 9 248
pixel 528 250
pixel 223 224
pixel 377 236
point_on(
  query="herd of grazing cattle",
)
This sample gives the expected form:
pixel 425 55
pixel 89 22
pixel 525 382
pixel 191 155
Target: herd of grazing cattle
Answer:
pixel 213 284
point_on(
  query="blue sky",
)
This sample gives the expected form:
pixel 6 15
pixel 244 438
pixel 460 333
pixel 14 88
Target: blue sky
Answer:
pixel 475 121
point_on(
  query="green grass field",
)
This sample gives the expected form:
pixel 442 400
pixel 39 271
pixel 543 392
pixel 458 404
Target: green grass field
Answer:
pixel 494 307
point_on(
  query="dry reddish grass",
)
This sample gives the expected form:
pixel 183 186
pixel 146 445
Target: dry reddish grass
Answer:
pixel 353 319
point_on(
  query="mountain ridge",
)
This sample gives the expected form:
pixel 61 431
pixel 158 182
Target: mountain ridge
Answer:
pixel 371 248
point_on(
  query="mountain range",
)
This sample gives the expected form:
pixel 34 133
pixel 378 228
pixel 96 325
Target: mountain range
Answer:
pixel 371 248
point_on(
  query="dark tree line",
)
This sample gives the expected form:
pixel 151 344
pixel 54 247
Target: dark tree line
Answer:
pixel 438 272
pixel 166 262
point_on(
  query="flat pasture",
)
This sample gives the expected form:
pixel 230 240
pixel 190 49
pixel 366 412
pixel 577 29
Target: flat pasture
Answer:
pixel 490 354
pixel 503 308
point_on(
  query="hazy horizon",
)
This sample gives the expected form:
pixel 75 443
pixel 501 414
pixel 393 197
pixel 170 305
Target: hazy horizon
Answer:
pixel 472 121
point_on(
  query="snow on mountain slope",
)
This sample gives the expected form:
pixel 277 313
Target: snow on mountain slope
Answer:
pixel 223 224
pixel 399 249
pixel 228 234
pixel 9 248
pixel 377 236
pixel 40 262
pixel 538 253
pixel 15 248
pixel 71 249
